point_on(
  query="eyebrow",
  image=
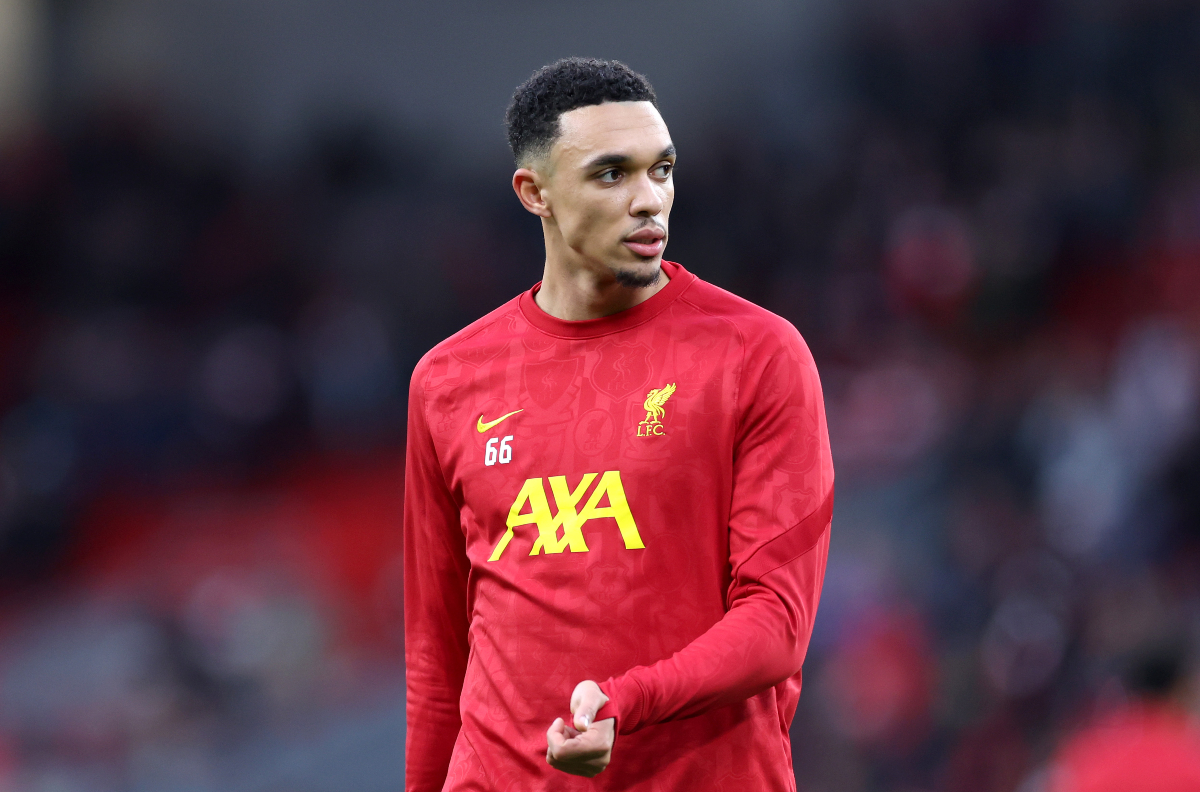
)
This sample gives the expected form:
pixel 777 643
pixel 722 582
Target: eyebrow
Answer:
pixel 604 160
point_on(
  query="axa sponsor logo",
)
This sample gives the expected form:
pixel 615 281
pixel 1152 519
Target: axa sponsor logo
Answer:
pixel 562 529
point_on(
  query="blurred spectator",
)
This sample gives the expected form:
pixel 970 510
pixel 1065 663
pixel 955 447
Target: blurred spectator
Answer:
pixel 1151 742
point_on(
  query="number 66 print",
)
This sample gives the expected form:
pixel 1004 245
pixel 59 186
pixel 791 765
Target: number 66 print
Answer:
pixel 504 456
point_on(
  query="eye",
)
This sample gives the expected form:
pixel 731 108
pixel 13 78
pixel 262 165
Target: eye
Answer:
pixel 663 170
pixel 609 176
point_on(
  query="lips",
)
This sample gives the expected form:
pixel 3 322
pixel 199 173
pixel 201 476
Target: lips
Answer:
pixel 646 242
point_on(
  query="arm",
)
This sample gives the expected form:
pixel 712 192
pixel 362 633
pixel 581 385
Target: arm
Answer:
pixel 435 606
pixel 778 542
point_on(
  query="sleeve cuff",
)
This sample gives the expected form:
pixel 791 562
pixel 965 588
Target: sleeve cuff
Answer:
pixel 624 704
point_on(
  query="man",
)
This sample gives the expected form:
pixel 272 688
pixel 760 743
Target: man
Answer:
pixel 618 492
pixel 1148 743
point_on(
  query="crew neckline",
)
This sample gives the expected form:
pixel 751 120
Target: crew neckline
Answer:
pixel 680 279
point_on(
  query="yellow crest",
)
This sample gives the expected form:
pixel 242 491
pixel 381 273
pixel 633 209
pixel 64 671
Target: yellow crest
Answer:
pixel 653 405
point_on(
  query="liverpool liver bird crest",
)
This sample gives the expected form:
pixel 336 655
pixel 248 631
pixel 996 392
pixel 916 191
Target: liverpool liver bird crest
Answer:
pixel 655 400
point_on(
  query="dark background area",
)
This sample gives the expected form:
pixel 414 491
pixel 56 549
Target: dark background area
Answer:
pixel 228 231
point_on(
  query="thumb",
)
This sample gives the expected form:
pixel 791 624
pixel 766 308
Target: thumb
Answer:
pixel 586 701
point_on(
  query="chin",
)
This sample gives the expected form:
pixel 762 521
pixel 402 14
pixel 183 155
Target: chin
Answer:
pixel 640 275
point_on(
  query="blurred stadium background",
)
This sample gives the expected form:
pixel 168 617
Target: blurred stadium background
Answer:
pixel 229 229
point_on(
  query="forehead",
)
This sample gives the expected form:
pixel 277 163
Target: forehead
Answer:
pixel 630 128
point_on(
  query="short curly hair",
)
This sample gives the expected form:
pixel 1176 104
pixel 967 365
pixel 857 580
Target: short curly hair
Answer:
pixel 533 114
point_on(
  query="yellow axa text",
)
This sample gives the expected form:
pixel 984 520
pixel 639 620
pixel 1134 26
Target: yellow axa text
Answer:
pixel 533 497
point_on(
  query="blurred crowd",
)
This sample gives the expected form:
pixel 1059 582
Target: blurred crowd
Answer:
pixel 994 255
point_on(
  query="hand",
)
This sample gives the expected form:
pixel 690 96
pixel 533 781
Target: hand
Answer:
pixel 585 747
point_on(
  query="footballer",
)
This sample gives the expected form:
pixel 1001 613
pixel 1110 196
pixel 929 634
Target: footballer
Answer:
pixel 618 492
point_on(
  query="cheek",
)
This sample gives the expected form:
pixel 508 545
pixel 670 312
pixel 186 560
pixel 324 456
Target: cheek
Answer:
pixel 591 223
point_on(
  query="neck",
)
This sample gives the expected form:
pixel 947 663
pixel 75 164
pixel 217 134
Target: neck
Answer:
pixel 573 291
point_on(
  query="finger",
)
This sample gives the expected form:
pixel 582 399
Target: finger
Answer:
pixel 586 745
pixel 575 760
pixel 575 752
pixel 586 701
pixel 556 735
pixel 559 733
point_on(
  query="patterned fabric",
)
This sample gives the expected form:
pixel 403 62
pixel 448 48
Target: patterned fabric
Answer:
pixel 652 513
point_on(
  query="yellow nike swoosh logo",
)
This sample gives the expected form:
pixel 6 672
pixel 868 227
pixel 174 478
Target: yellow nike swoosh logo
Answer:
pixel 483 427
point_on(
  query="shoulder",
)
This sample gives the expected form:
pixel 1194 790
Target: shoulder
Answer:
pixel 476 341
pixel 763 334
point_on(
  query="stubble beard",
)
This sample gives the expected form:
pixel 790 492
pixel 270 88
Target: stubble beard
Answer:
pixel 632 279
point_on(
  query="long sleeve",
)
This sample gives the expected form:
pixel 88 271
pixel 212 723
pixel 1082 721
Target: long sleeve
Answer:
pixel 781 507
pixel 435 606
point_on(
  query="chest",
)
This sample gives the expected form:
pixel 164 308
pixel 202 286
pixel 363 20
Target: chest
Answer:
pixel 552 446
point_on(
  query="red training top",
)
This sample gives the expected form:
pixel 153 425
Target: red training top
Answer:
pixel 644 499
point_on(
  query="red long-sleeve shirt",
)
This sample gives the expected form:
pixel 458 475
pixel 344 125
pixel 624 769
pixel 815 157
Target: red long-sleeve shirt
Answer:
pixel 643 500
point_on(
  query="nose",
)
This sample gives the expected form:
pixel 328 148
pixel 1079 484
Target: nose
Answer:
pixel 648 199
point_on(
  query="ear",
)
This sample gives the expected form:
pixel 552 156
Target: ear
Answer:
pixel 527 184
